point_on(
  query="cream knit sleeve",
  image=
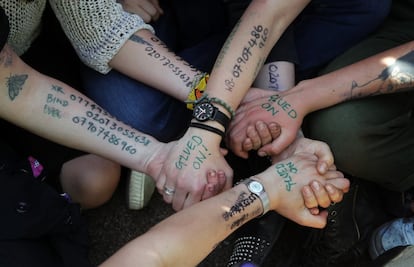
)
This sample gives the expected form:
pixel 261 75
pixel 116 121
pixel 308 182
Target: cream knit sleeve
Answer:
pixel 97 29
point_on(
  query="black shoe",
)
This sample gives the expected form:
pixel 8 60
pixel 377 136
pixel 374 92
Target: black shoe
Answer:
pixel 344 240
pixel 255 240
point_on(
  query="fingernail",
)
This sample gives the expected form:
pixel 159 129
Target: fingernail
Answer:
pixel 262 154
pixel 315 185
pixel 330 189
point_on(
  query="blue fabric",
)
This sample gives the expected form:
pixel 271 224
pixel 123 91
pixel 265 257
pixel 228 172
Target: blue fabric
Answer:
pixel 327 28
pixel 142 106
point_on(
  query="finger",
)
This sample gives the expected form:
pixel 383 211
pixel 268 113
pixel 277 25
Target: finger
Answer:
pixel 340 183
pixel 160 184
pixel 168 193
pixel 275 129
pixel 212 187
pixel 315 221
pixel 150 9
pixel 335 194
pixel 158 7
pixel 179 199
pixel 309 198
pixel 321 194
pixel 247 144
pixel 252 133
pixel 276 146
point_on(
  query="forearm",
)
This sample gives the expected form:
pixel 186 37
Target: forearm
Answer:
pixel 146 58
pixel 58 112
pixel 389 72
pixel 247 47
pixel 187 237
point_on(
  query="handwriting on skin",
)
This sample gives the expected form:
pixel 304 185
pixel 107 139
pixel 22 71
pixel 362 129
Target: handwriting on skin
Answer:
pixel 194 145
pixel 276 103
pixel 95 120
pixel 257 39
pixel 167 61
pixel 284 170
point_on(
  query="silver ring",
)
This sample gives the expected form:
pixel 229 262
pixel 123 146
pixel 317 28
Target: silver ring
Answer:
pixel 168 191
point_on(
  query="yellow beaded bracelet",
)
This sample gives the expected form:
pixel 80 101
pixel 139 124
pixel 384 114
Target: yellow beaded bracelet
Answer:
pixel 199 85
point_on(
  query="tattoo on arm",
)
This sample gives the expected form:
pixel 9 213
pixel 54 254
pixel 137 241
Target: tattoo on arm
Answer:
pixel 95 121
pixel 243 201
pixel 15 85
pixel 165 59
pixel 257 39
pixel 396 77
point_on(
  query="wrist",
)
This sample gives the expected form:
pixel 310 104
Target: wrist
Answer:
pixel 256 188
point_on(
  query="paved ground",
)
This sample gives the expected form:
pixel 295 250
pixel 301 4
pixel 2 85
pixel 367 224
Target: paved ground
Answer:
pixel 112 225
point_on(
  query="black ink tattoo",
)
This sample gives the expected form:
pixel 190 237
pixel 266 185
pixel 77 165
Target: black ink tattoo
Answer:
pixel 15 85
pixel 396 77
pixel 244 200
pixel 139 40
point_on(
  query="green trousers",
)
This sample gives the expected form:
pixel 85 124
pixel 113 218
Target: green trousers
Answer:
pixel 373 138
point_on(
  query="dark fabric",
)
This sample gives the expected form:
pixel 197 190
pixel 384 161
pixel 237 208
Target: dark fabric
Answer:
pixel 4 28
pixel 37 221
pixel 373 138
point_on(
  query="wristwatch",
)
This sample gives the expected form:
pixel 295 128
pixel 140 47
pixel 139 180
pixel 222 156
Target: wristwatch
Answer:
pixel 257 188
pixel 205 111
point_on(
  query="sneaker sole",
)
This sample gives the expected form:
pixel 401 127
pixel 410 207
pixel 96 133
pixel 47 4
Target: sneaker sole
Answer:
pixel 375 249
pixel 140 188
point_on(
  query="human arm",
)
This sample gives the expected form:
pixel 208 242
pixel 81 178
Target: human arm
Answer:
pixel 186 237
pixel 56 111
pixel 123 41
pixel 388 72
pixel 243 54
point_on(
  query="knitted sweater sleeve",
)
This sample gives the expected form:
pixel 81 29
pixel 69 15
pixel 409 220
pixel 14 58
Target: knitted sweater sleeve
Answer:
pixel 97 29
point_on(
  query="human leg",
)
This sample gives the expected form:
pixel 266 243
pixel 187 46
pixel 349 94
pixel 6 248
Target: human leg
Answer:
pixel 372 138
pixel 90 180
pixel 325 29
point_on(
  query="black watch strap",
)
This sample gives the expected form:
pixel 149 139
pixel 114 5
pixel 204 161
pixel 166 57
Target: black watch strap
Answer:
pixel 205 110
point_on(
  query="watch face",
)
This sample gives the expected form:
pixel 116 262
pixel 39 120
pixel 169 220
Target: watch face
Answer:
pixel 203 111
pixel 255 187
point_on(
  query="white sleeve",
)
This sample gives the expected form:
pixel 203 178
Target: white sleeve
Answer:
pixel 97 29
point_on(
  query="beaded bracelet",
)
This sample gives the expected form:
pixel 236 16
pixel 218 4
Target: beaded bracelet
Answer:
pixel 224 105
pixel 207 127
pixel 198 87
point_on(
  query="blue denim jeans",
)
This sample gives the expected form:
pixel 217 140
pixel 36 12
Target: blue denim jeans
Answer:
pixel 327 28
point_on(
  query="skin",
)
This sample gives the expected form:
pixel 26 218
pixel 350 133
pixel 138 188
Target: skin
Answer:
pixel 263 22
pixel 148 10
pixel 384 73
pixel 58 112
pixel 209 222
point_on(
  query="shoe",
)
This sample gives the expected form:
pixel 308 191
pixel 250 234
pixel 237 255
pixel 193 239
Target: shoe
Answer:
pixel 396 233
pixel 344 240
pixel 140 188
pixel 255 240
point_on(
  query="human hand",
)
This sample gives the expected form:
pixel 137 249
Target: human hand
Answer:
pixel 264 114
pixel 306 145
pixel 285 180
pixel 186 169
pixel 317 195
pixel 148 10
